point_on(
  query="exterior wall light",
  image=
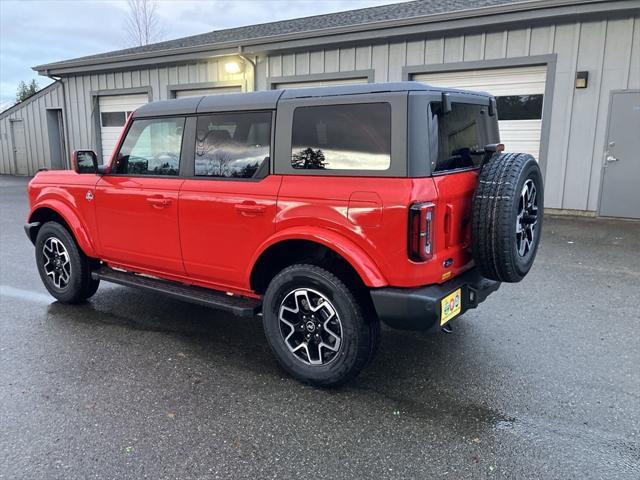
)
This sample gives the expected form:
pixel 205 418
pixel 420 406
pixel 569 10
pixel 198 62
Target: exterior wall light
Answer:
pixel 582 79
pixel 233 67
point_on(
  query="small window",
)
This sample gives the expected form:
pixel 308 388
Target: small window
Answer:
pixel 342 137
pixel 152 147
pixel 113 119
pixel 233 145
pixel 519 107
pixel 458 137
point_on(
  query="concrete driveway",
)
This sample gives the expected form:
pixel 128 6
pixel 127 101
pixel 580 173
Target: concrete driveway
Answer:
pixel 542 381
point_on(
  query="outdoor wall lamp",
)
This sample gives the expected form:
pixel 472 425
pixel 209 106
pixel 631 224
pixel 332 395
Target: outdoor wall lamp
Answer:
pixel 582 79
pixel 234 67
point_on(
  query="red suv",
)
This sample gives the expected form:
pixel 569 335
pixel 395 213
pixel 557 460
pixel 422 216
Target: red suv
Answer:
pixel 326 210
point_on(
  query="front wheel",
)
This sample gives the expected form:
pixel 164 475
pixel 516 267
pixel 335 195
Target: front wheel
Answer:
pixel 64 269
pixel 315 326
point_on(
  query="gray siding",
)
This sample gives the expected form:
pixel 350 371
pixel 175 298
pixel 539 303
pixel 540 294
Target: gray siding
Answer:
pixel 33 112
pixel 80 105
pixel 608 49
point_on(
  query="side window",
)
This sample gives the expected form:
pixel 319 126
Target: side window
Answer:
pixel 113 119
pixel 233 145
pixel 342 137
pixel 520 107
pixel 458 137
pixel 152 147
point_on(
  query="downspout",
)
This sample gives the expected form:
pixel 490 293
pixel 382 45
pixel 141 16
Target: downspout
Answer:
pixel 254 68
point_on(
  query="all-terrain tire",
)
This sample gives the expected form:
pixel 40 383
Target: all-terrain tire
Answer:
pixel 359 335
pixel 71 282
pixel 507 216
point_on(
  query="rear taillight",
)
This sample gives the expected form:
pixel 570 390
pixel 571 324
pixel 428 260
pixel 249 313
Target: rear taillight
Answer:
pixel 421 234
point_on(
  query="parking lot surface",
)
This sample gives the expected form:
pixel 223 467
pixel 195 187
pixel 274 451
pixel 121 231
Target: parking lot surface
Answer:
pixel 541 381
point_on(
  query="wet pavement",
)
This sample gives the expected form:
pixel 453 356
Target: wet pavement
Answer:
pixel 542 381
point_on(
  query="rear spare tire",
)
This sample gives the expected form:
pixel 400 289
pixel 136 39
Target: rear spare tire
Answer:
pixel 507 216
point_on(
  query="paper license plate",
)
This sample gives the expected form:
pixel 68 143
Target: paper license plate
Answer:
pixel 451 305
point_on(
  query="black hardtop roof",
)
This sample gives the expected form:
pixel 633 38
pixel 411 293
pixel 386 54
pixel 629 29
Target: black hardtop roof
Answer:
pixel 268 100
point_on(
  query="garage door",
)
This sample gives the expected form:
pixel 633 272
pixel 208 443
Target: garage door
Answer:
pixel 320 83
pixel 114 110
pixel 196 92
pixel 519 93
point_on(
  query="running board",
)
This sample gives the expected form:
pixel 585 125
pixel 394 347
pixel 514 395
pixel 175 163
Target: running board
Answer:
pixel 239 306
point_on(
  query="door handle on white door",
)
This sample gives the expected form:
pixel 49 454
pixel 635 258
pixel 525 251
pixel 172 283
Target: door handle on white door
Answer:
pixel 611 158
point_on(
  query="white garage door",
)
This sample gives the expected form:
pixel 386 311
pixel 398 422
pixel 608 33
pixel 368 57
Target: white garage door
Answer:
pixel 196 92
pixel 114 110
pixel 519 93
pixel 320 83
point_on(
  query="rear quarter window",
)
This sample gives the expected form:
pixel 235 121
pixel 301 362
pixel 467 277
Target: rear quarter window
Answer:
pixel 342 137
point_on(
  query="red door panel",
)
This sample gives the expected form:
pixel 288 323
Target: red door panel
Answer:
pixel 137 221
pixel 222 223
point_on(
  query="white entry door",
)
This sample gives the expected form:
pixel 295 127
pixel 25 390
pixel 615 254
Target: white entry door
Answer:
pixel 114 110
pixel 519 94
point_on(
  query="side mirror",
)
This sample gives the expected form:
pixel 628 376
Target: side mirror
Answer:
pixel 84 161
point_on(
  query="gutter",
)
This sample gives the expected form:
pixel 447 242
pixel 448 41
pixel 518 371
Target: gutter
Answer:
pixel 556 8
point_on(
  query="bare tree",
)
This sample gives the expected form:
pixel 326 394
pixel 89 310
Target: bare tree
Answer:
pixel 143 24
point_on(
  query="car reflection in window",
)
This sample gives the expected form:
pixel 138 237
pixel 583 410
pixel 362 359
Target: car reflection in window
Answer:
pixel 234 145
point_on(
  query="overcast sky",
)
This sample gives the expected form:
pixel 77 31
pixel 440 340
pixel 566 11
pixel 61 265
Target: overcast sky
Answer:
pixel 36 32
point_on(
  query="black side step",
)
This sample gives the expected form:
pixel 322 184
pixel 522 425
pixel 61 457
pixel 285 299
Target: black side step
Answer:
pixel 240 306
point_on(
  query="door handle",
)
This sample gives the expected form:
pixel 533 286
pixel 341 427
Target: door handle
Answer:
pixel 250 208
pixel 611 158
pixel 159 202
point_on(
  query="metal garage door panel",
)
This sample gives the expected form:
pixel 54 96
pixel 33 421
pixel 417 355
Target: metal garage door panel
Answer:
pixel 500 81
pixel 116 103
pixel 517 135
pixel 321 83
pixel 521 135
pixel 196 92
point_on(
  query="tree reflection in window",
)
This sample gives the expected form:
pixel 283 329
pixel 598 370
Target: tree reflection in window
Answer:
pixel 353 136
pixel 309 158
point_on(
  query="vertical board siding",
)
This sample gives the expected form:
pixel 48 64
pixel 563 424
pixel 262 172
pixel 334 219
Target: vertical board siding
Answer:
pixel 584 117
pixel 608 49
pixel 473 48
pixel 634 66
pixel 80 106
pixel 615 76
pixel 453 49
pixel 33 114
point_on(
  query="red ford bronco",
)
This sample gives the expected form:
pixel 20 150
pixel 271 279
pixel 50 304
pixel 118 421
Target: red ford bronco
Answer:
pixel 327 210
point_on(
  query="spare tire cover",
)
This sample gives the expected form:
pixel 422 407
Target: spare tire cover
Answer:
pixel 507 216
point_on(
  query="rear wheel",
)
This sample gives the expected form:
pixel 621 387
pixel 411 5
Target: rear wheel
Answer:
pixel 507 216
pixel 64 269
pixel 315 326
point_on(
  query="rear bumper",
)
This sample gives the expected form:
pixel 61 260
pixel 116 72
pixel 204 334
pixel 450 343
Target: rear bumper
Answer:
pixel 419 308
